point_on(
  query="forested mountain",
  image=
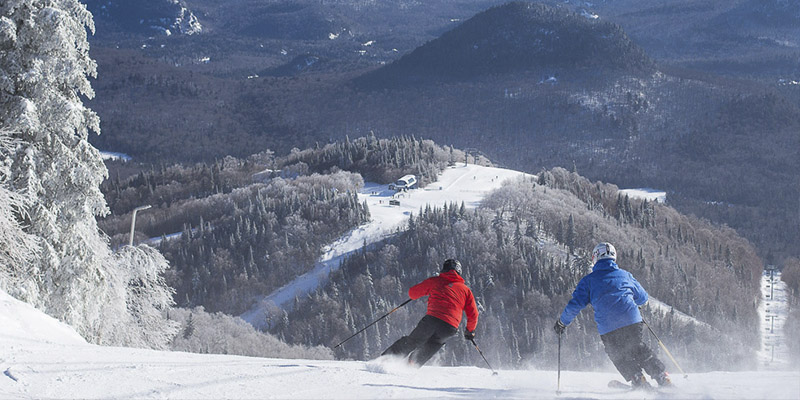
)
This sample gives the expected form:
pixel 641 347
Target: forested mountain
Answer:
pixel 526 104
pixel 255 224
pixel 287 20
pixel 712 119
pixel 143 17
pixel 523 251
pixel 517 37
pixel 247 227
pixel 769 14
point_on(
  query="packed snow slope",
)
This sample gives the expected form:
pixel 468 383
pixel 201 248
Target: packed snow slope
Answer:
pixel 44 359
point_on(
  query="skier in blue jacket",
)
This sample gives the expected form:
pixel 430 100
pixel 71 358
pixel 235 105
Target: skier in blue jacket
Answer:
pixel 616 296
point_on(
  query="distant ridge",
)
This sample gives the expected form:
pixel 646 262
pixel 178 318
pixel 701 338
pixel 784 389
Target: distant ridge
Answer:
pixel 144 17
pixel 287 21
pixel 516 37
pixel 296 66
pixel 767 13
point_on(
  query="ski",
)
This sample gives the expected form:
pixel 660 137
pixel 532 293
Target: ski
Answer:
pixel 615 384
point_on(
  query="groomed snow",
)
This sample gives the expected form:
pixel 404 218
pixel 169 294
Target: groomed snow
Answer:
pixel 108 155
pixel 42 358
pixel 646 194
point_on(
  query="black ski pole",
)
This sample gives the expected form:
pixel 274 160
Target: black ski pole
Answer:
pixel 558 388
pixel 373 323
pixel 484 357
pixel 685 375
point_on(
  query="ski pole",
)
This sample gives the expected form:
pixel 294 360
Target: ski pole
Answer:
pixel 484 357
pixel 558 388
pixel 373 323
pixel 685 375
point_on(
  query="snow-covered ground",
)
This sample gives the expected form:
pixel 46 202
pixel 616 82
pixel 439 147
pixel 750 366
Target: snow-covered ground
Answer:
pixel 646 194
pixel 461 183
pixel 773 310
pixel 108 155
pixel 42 358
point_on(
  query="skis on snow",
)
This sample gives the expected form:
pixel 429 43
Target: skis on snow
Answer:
pixel 615 384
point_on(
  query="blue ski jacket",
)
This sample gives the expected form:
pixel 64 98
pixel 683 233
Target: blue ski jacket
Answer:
pixel 614 294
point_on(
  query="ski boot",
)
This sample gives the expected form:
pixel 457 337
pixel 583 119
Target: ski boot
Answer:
pixel 663 379
pixel 639 382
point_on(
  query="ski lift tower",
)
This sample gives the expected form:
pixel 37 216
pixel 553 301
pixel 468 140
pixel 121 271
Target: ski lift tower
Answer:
pixel 471 151
pixel 771 269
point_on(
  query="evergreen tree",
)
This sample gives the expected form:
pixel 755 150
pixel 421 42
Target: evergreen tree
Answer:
pixel 44 69
pixel 44 66
pixel 18 247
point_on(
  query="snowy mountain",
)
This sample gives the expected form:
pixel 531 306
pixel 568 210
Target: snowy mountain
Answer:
pixel 462 183
pixel 42 358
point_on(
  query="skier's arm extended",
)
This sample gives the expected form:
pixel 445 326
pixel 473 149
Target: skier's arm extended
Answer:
pixel 421 289
pixel 580 299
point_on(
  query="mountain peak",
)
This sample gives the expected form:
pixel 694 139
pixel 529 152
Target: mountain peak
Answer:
pixel 518 37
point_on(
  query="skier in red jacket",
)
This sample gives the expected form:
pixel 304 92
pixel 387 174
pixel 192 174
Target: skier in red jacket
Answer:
pixel 448 298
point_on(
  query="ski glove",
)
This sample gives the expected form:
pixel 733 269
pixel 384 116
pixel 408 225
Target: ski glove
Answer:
pixel 559 327
pixel 469 335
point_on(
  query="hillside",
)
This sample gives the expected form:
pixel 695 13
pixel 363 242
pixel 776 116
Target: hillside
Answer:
pixel 284 212
pixel 770 14
pixel 524 248
pixel 517 37
pixel 254 225
pixel 143 17
pixel 203 97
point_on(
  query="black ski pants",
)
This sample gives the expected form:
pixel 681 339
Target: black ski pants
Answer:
pixel 626 349
pixel 424 341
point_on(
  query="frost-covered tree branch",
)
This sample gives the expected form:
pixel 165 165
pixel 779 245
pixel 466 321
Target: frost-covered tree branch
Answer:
pixel 53 178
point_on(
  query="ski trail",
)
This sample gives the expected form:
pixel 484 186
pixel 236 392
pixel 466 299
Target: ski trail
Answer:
pixel 42 358
pixel 453 186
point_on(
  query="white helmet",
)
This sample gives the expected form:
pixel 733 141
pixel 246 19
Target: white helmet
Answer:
pixel 603 251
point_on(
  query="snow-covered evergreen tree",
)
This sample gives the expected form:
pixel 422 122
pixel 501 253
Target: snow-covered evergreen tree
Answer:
pixel 44 69
pixel 18 246
pixel 146 294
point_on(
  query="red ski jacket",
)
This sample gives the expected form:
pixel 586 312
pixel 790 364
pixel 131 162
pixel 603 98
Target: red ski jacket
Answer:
pixel 449 296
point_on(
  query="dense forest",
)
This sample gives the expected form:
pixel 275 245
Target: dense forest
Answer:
pixel 255 223
pixel 716 143
pixel 524 250
pixel 516 37
pixel 247 227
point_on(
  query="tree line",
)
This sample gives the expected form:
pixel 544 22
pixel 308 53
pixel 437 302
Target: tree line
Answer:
pixel 522 271
pixel 248 226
